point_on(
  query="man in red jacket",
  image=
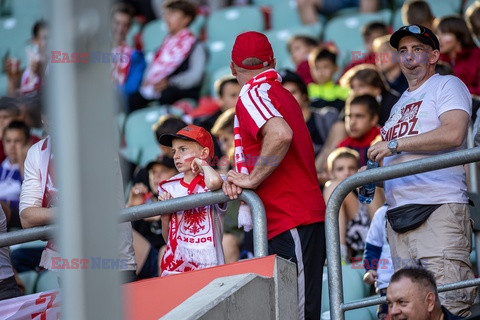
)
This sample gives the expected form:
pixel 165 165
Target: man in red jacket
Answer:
pixel 278 163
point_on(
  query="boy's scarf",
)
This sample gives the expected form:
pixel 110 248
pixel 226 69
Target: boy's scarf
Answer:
pixel 49 197
pixel 186 249
pixel 121 63
pixel 173 51
pixel 244 213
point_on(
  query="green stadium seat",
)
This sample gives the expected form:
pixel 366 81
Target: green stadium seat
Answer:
pixel 153 34
pixel 219 54
pixel 30 10
pixel 397 20
pixel 445 7
pixel 47 280
pixel 339 27
pixel 15 34
pixel 139 136
pixel 225 24
pixel 134 29
pixel 29 279
pixel 217 74
pixel 265 3
pixel 285 14
pixel 3 84
pixel 353 289
pixel 439 8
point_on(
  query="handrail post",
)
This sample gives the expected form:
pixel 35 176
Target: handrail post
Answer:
pixel 260 242
pixel 472 166
pixel 334 265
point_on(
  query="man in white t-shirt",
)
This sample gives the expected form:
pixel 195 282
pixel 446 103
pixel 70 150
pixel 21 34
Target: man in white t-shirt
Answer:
pixel 429 220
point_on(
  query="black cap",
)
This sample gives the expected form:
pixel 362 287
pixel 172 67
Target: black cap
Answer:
pixel 422 33
pixel 163 160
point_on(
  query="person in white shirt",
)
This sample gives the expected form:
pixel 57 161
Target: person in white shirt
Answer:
pixel 428 214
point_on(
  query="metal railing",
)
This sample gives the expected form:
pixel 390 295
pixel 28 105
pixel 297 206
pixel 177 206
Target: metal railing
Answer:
pixel 335 283
pixel 260 245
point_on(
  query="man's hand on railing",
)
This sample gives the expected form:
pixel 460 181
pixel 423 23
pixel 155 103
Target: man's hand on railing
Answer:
pixel 231 190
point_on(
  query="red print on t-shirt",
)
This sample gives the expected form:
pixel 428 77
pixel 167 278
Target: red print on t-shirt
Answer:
pixel 405 125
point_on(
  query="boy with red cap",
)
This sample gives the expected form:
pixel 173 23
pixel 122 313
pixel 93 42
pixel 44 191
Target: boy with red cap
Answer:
pixel 274 156
pixel 194 237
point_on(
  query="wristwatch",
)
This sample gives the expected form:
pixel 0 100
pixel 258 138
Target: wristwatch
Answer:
pixel 392 145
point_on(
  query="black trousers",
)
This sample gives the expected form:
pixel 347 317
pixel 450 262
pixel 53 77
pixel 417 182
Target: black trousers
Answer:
pixel 304 245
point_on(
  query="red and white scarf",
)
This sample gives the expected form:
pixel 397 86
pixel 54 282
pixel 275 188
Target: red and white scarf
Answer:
pixel 49 198
pixel 121 64
pixel 171 54
pixel 30 82
pixel 244 213
pixel 191 242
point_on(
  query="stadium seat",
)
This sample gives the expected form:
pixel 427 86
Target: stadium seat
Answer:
pixel 339 27
pixel 353 289
pixel 439 8
pixel 279 39
pixel 47 280
pixel 134 29
pixel 139 137
pixel 153 34
pixel 30 10
pixel 444 7
pixel 225 24
pixel 397 20
pixel 29 279
pixel 219 54
pixel 215 75
pixel 285 14
pixel 15 34
pixel 3 84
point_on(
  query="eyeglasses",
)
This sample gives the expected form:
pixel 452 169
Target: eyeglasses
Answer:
pixel 421 31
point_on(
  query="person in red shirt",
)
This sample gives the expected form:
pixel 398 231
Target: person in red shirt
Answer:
pixel 278 163
pixel 361 123
pixel 459 50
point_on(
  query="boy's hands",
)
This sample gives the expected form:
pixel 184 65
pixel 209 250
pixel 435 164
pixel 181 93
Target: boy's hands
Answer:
pixel 196 166
pixel 161 85
pixel 164 196
pixel 370 277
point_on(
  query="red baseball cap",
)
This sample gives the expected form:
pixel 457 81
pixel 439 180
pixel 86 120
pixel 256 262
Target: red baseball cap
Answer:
pixel 252 44
pixel 190 132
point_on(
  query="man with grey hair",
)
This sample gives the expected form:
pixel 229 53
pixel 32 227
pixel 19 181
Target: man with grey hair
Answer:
pixel 412 294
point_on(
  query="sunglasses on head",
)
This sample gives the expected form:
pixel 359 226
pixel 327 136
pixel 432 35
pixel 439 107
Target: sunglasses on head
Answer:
pixel 419 30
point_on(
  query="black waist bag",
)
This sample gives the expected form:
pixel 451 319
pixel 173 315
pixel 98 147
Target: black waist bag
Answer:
pixel 410 216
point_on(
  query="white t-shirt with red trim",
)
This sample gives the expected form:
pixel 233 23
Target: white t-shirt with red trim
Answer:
pixel 417 112
pixel 194 236
pixel 291 194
